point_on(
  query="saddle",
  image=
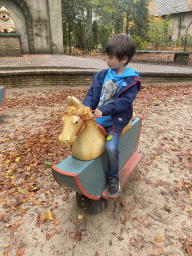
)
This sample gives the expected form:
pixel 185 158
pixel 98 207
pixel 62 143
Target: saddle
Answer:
pixel 104 132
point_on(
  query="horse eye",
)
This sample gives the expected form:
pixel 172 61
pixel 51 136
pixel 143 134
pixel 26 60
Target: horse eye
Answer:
pixel 76 122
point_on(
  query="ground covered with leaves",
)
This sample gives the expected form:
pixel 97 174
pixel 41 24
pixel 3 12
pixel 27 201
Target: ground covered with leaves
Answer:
pixel 153 215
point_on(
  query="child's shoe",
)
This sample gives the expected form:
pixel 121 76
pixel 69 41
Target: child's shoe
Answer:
pixel 114 187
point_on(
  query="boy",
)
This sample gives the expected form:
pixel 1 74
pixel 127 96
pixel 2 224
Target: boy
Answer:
pixel 111 96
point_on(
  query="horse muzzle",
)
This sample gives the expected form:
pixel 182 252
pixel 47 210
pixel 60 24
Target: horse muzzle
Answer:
pixel 66 142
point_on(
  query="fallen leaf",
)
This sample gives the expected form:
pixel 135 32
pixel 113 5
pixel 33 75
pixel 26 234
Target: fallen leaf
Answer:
pixel 48 164
pixel 56 222
pixel 80 217
pixel 43 217
pixel 21 251
pixel 17 159
pixel 157 250
pixel 48 236
pixel 75 222
pixel 53 232
pixel 186 209
pixel 158 239
pixel 49 214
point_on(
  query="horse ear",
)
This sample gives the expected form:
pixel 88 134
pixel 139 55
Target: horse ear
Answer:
pixel 75 102
pixel 69 103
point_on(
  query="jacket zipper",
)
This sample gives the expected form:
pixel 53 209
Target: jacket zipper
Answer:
pixel 125 89
pixel 113 130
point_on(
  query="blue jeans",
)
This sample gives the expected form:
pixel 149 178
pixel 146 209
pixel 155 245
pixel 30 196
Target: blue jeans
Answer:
pixel 112 151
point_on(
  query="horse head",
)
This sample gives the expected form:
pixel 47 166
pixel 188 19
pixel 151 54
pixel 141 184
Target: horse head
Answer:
pixel 73 121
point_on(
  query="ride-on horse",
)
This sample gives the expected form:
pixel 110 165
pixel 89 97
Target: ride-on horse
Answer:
pixel 85 170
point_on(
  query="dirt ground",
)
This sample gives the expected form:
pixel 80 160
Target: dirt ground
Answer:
pixel 153 215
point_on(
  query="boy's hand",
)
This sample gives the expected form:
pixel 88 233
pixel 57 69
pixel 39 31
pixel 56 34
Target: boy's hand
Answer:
pixel 98 112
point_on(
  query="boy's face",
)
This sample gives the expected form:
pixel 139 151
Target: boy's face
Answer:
pixel 114 63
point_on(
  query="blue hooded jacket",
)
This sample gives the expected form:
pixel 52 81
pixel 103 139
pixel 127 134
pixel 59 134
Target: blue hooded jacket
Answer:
pixel 120 109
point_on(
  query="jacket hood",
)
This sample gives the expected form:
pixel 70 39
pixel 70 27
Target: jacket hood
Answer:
pixel 128 72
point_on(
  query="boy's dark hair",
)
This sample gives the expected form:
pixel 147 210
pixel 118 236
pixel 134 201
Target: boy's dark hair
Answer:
pixel 121 45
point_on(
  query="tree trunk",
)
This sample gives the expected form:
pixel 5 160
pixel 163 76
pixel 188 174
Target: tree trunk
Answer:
pixel 185 44
pixel 69 39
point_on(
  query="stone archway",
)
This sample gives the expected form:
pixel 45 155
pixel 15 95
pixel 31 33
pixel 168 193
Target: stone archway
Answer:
pixel 29 25
pixel 22 16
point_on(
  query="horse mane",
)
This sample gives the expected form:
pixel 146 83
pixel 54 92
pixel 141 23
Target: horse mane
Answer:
pixel 85 111
pixel 71 110
pixel 82 110
pixel 75 106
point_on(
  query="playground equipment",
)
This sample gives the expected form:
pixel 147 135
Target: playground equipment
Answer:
pixel 85 170
pixel 2 96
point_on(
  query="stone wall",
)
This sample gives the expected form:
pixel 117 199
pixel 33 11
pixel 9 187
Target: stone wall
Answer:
pixel 10 44
pixel 180 23
pixel 39 79
pixel 47 25
pixel 27 79
pixel 39 24
pixel 54 7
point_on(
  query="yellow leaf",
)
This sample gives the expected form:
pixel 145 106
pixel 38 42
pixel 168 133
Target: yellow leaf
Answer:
pixel 49 214
pixel 43 217
pixel 191 196
pixel 27 168
pixel 158 239
pixel 4 202
pixel 186 209
pixel 7 245
pixel 80 217
pixel 17 159
pixel 8 161
pixel 42 140
pixel 22 221
pixel 156 158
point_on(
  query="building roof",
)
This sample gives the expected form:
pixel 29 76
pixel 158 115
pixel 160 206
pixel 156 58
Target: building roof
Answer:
pixel 165 7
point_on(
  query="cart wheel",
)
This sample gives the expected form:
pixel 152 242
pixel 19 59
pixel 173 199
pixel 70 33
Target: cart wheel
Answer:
pixel 91 206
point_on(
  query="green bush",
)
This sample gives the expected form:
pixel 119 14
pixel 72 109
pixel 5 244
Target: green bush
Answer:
pixel 141 44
